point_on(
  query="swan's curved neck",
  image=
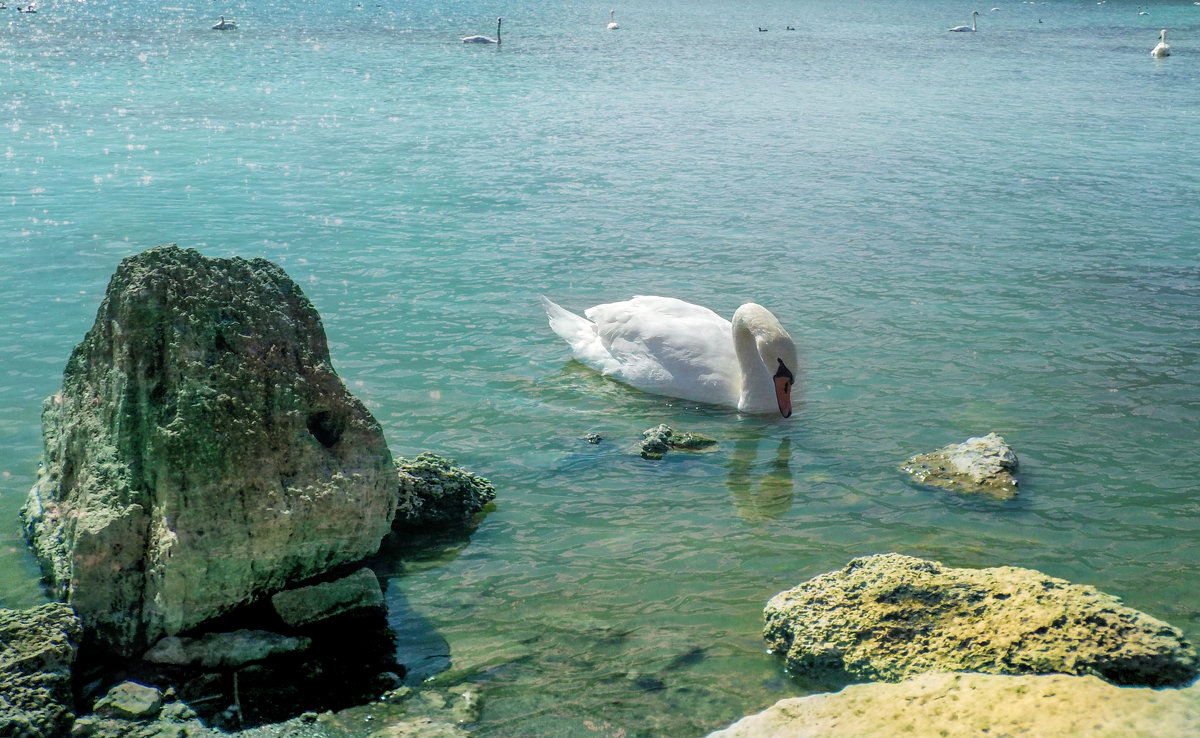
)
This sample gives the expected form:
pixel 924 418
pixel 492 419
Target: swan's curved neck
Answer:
pixel 757 392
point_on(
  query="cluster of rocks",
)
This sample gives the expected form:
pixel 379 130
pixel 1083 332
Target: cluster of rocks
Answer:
pixel 208 494
pixel 968 651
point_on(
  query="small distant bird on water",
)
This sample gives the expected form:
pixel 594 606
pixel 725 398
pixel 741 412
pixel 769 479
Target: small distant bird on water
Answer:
pixel 970 28
pixel 1162 49
pixel 485 39
pixel 224 25
pixel 612 21
pixel 761 29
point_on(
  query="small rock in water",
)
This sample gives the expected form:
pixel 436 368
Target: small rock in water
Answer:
pixel 659 440
pixel 983 464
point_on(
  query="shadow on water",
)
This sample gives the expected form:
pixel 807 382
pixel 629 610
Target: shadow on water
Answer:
pixel 422 650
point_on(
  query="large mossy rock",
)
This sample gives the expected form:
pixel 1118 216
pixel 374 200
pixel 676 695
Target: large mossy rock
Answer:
pixel 37 649
pixel 972 705
pixel 202 452
pixel 889 617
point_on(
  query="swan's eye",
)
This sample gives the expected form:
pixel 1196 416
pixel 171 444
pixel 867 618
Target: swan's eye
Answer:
pixel 785 373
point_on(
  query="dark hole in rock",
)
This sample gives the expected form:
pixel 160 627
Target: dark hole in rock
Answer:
pixel 325 428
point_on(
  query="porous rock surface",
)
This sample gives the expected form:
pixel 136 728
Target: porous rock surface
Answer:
pixel 977 465
pixel 37 649
pixel 888 617
pixel 971 705
pixel 202 452
pixel 434 492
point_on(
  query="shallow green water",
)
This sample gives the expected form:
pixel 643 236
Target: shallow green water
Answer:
pixel 965 233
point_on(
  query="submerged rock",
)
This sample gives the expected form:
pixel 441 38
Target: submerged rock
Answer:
pixel 433 493
pixel 37 649
pixel 224 650
pixel 962 705
pixel 657 441
pixel 305 605
pixel 984 464
pixel 130 701
pixel 889 617
pixel 202 451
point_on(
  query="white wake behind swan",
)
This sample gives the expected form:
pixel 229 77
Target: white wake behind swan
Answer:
pixel 671 347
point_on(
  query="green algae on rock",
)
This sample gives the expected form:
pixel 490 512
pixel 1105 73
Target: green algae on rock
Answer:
pixel 888 617
pixel 202 451
pixel 657 441
pixel 435 493
pixel 37 650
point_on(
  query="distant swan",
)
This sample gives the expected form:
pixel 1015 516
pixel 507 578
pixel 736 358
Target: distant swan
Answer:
pixel 224 25
pixel 970 28
pixel 1162 49
pixel 612 22
pixel 674 348
pixel 485 39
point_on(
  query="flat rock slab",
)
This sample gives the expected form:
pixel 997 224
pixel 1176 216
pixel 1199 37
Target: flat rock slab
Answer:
pixel 962 705
pixel 889 617
pixel 977 465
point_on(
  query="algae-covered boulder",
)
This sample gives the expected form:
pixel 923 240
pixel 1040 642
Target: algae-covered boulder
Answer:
pixel 888 617
pixel 972 705
pixel 37 649
pixel 433 492
pixel 202 452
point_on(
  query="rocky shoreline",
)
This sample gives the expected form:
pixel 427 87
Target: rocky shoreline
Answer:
pixel 212 497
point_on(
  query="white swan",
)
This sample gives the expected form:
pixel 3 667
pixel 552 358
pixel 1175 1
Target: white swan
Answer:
pixel 1162 49
pixel 612 22
pixel 485 39
pixel 224 25
pixel 674 348
pixel 970 28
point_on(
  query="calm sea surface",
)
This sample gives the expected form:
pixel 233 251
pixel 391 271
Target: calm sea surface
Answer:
pixel 965 233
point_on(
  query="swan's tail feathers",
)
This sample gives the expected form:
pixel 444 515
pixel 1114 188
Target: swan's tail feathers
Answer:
pixel 579 333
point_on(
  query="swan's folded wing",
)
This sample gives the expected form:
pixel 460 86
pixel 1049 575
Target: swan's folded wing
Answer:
pixel 666 345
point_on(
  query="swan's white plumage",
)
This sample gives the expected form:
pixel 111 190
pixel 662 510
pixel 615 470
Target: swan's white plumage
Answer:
pixel 671 347
pixel 970 28
pixel 612 21
pixel 1162 49
pixel 485 39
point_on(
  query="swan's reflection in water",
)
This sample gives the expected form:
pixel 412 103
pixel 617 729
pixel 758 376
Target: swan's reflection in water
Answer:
pixel 758 493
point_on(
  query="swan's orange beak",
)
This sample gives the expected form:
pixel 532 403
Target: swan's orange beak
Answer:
pixel 783 389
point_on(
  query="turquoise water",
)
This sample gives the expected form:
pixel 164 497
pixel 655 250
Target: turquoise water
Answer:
pixel 965 233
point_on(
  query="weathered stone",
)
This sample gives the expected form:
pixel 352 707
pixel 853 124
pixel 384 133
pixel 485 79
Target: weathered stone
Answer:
pixel 224 650
pixel 970 705
pixel 983 464
pixel 202 451
pixel 304 605
pixel 432 492
pixel 130 701
pixel 37 649
pixel 657 441
pixel 888 617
